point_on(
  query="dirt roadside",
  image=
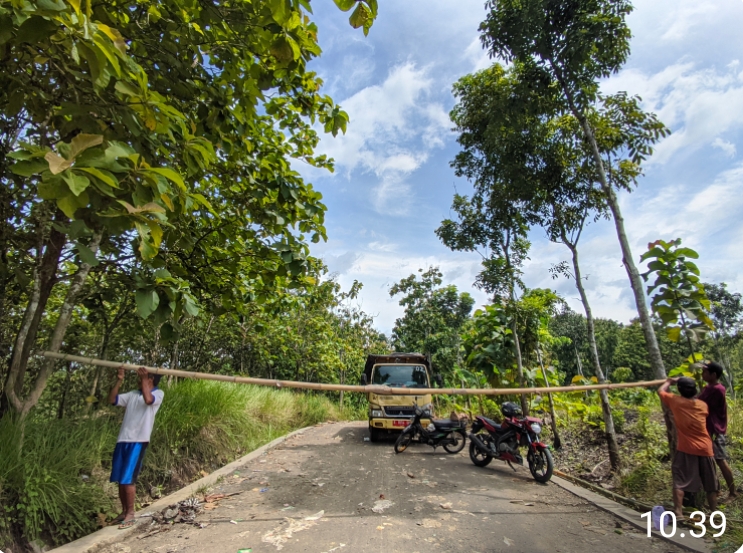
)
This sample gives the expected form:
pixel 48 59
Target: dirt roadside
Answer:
pixel 327 490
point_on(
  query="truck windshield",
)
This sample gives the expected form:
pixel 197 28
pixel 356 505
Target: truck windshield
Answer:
pixel 401 376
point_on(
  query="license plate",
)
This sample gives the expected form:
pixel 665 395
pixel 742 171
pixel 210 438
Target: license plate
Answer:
pixel 400 423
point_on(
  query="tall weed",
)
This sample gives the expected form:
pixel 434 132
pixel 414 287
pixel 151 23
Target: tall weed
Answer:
pixel 54 473
pixel 46 476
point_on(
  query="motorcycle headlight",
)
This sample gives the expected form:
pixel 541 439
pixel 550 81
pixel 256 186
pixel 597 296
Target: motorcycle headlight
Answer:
pixel 536 427
pixel 376 413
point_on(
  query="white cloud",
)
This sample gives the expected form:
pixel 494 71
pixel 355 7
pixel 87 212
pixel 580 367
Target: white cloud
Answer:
pixel 477 56
pixel 686 17
pixel 342 263
pixel 392 128
pixel 377 246
pixel 728 148
pixel 698 105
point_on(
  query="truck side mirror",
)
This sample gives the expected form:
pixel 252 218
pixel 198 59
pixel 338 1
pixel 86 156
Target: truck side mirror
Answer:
pixel 363 380
pixel 439 380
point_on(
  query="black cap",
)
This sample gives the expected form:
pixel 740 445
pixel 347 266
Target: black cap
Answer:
pixel 687 387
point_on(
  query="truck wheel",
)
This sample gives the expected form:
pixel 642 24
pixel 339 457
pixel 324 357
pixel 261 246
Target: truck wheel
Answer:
pixel 374 434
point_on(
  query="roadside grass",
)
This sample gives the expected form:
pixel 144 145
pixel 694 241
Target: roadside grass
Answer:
pixel 47 486
pixel 54 472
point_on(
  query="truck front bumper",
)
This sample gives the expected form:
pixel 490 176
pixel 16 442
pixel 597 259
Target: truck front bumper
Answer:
pixel 393 424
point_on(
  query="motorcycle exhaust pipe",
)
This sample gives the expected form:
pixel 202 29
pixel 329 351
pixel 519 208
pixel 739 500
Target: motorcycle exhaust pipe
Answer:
pixel 478 443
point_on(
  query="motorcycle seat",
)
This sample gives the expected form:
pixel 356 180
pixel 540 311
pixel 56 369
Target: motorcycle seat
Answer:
pixel 446 423
pixel 492 423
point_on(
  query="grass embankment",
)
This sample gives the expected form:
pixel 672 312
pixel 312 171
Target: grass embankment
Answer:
pixel 54 473
pixel 646 467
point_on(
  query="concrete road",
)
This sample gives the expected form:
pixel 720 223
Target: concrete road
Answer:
pixel 328 490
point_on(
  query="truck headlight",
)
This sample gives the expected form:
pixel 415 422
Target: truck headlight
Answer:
pixel 375 413
pixel 536 427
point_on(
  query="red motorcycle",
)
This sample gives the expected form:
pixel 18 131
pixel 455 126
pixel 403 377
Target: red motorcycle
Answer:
pixel 502 441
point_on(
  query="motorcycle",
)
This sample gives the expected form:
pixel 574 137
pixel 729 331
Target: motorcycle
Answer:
pixel 502 441
pixel 450 434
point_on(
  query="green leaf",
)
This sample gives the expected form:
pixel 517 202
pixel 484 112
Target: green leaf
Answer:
pixel 103 176
pixel 116 150
pixel 281 10
pixel 687 252
pixel 360 16
pixel 345 5
pixel 77 183
pixel 167 332
pixel 53 189
pixel 190 307
pixel 146 249
pixel 51 5
pixel 127 89
pixel 282 50
pixel 170 175
pixel 147 302
pixel 70 203
pixel 87 255
pixel 21 277
pixel 35 29
pixel 29 168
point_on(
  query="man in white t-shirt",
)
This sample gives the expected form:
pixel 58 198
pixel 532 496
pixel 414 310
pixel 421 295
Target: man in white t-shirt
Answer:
pixel 134 436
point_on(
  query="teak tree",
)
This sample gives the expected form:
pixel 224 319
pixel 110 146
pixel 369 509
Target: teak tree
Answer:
pixel 677 295
pixel 158 138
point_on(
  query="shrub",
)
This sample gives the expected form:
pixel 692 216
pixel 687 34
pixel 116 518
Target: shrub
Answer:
pixel 622 374
pixel 619 420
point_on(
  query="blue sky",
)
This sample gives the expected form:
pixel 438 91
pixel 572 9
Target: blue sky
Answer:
pixel 393 184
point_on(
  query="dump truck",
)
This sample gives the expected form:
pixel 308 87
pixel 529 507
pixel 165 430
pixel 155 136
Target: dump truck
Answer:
pixel 392 413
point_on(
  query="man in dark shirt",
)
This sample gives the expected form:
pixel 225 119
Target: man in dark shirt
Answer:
pixel 713 395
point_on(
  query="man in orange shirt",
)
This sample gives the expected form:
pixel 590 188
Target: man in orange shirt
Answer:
pixel 693 464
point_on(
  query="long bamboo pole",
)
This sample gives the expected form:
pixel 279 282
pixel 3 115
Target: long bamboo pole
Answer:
pixel 374 389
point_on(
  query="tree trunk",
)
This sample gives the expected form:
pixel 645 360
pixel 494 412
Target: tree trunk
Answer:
pixel 55 342
pixel 611 436
pixel 656 361
pixel 45 277
pixel 102 354
pixel 556 442
pixel 577 359
pixel 68 377
pixel 651 342
pixel 520 367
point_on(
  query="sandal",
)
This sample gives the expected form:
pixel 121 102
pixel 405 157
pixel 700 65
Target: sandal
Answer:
pixel 127 524
pixel 118 520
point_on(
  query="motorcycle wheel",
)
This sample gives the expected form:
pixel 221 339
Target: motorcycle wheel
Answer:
pixel 479 458
pixel 541 465
pixel 459 439
pixel 403 441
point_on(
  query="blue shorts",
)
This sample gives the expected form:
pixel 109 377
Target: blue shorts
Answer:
pixel 127 462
